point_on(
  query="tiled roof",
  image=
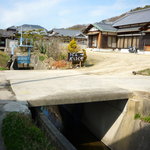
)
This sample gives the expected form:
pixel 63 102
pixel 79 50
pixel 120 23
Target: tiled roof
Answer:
pixel 128 29
pixel 105 27
pixel 4 33
pixel 141 16
pixel 66 32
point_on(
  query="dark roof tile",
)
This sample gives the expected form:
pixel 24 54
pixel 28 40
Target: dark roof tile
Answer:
pixel 66 32
pixel 128 29
pixel 141 16
pixel 5 33
pixel 105 27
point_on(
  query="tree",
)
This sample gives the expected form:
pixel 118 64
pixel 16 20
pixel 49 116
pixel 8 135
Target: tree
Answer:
pixel 73 47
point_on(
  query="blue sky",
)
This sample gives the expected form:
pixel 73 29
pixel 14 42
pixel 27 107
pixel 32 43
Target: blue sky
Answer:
pixel 62 13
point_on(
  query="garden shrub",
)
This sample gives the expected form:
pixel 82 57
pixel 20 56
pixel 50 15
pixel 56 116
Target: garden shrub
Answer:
pixel 19 133
pixel 73 47
pixel 51 48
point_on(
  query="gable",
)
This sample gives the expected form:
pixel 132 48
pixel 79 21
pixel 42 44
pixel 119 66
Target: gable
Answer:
pixel 93 29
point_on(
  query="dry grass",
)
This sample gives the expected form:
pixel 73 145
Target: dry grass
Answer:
pixel 3 60
pixel 145 72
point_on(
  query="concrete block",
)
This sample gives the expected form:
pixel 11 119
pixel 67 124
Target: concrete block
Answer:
pixel 16 107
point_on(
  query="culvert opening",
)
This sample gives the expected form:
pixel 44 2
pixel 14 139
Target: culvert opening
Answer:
pixel 85 124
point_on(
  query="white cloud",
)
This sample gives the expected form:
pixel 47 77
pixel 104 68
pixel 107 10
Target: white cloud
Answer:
pixel 26 11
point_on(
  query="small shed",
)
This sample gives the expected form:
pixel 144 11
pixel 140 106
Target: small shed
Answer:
pixel 4 36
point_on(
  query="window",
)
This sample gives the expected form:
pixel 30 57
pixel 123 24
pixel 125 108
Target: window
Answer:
pixel 114 42
pixel 111 41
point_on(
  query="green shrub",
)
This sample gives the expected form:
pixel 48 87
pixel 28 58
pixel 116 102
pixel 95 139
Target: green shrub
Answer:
pixel 73 47
pixel 41 58
pixel 20 133
pixel 137 116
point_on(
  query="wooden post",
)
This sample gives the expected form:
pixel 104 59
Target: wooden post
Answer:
pixel 70 64
pixel 80 64
pixel 99 40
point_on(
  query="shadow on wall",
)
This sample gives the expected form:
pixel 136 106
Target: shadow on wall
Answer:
pixel 86 124
pixel 99 117
pixel 139 140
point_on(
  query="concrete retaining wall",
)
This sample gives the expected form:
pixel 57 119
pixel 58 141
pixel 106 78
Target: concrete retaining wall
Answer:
pixel 52 132
pixel 103 118
pixel 114 124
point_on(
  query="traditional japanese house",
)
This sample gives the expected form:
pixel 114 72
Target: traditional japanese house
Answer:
pixel 66 35
pixel 133 30
pixel 6 35
pixel 101 35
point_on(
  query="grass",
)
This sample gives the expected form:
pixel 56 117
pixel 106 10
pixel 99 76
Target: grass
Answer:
pixel 3 60
pixel 1 68
pixel 145 72
pixel 42 58
pixel 146 119
pixel 19 133
pixel 143 118
pixel 137 116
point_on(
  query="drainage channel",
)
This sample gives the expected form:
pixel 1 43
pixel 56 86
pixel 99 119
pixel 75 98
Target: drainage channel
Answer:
pixel 71 126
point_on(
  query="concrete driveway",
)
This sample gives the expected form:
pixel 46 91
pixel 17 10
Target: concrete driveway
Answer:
pixel 70 86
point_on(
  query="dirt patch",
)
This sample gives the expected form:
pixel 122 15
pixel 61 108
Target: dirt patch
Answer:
pixel 115 63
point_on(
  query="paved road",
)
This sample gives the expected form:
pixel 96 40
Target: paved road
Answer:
pixel 69 86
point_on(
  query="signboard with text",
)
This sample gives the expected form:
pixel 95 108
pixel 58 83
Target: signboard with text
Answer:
pixel 75 57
